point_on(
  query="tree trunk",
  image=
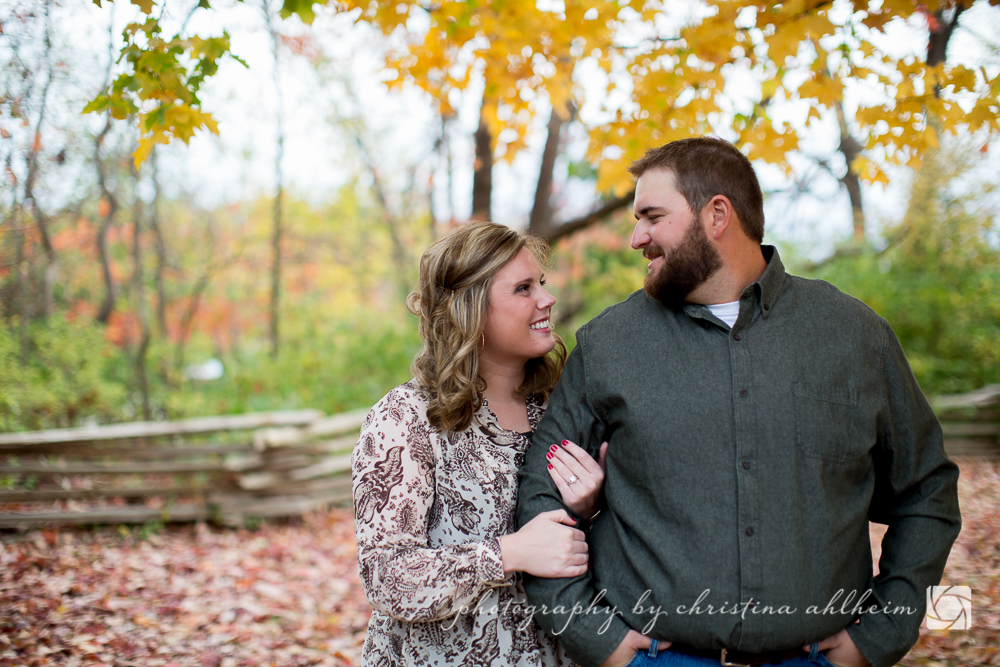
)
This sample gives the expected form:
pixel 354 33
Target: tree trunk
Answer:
pixel 440 146
pixel 110 291
pixel 540 222
pixel 22 288
pixel 392 223
pixel 161 248
pixel 275 302
pixel 51 273
pixel 940 33
pixel 51 260
pixel 449 169
pixel 482 180
pixel 187 319
pixel 276 236
pixel 851 148
pixel 138 288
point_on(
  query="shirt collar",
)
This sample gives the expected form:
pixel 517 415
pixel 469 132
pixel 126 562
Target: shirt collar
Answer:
pixel 768 287
pixel 770 284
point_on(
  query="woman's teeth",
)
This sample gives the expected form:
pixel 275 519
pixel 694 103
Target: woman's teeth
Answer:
pixel 544 324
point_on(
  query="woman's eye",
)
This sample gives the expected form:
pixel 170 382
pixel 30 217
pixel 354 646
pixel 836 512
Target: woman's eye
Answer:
pixel 542 282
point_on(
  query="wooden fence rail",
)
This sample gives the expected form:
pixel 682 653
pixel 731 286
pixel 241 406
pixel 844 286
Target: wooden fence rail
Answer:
pixel 226 469
pixel 235 468
pixel 971 423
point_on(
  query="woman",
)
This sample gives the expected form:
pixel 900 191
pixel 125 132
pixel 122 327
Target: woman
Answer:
pixel 435 469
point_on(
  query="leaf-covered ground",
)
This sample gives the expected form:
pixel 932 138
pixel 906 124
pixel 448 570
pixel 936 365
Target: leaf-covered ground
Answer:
pixel 285 594
pixel 288 594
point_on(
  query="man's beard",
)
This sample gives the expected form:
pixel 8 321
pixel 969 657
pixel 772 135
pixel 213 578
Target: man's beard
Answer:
pixel 685 267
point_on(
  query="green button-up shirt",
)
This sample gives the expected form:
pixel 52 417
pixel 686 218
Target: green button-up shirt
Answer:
pixel 743 468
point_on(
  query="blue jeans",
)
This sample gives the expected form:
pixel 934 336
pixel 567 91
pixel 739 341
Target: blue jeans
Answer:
pixel 668 658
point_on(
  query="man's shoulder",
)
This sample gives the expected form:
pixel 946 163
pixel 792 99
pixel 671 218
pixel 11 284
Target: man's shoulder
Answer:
pixel 636 308
pixel 637 304
pixel 826 298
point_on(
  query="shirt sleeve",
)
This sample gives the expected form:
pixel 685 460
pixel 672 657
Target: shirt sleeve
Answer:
pixel 589 631
pixel 393 484
pixel 916 495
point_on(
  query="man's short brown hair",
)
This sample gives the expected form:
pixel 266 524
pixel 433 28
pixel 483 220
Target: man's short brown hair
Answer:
pixel 704 167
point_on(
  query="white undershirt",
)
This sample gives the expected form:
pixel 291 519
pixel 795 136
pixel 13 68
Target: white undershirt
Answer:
pixel 727 312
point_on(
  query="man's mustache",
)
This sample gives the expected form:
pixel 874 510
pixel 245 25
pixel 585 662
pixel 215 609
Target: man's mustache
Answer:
pixel 652 252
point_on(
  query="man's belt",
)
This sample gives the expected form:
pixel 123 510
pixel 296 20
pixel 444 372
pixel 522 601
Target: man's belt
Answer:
pixel 727 657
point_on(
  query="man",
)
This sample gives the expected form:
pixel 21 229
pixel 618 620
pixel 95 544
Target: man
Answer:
pixel 757 421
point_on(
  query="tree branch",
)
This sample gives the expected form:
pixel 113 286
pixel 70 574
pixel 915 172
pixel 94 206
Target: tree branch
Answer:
pixel 555 232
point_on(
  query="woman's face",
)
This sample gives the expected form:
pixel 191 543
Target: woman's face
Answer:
pixel 517 326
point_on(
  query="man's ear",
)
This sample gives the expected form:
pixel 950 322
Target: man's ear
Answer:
pixel 718 215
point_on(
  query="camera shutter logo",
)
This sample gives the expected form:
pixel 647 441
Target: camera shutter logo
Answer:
pixel 949 608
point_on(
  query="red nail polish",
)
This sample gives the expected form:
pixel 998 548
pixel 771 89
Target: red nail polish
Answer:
pixel 548 455
pixel 550 466
pixel 565 442
pixel 553 448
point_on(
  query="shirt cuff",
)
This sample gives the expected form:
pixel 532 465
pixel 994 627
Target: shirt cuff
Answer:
pixel 489 564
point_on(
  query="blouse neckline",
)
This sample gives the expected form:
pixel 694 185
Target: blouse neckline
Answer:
pixel 530 401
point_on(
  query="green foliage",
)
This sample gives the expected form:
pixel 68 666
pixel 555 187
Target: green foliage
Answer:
pixel 71 374
pixel 331 366
pixel 74 375
pixel 162 82
pixel 937 283
pixel 301 8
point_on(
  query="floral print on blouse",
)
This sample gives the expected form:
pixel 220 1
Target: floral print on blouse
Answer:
pixel 429 510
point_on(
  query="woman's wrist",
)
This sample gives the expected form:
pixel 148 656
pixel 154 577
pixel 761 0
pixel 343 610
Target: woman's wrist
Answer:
pixel 508 553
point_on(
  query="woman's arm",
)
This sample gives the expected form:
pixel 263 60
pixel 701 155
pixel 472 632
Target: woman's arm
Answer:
pixel 393 479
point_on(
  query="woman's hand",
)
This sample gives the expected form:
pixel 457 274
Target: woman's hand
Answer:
pixel 577 476
pixel 546 547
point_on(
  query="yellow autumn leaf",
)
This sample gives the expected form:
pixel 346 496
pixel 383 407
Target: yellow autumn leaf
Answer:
pixel 146 145
pixel 868 171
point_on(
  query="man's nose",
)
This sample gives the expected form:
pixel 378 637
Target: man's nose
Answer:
pixel 640 239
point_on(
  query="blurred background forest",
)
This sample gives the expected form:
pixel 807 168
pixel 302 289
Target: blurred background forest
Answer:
pixel 234 223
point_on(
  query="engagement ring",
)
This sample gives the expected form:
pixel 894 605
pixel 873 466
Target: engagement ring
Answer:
pixel 572 479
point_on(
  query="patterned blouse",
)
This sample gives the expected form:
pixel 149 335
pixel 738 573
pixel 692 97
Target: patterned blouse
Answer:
pixel 429 511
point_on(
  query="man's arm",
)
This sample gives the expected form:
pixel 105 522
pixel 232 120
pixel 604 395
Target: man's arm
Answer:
pixel 916 495
pixel 589 631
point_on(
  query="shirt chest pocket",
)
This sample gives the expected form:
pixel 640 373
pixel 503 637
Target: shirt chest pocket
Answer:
pixel 827 422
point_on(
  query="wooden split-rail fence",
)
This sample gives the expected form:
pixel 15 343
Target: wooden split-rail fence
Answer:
pixel 231 469
pixel 971 423
pixel 242 468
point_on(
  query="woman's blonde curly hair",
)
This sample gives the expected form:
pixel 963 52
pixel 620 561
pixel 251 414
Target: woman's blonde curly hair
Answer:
pixel 452 302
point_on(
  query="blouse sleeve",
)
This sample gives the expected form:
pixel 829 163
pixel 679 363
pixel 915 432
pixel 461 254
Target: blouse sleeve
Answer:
pixel 393 484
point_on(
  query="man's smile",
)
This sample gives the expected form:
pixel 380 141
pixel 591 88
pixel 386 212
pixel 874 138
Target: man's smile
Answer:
pixel 652 253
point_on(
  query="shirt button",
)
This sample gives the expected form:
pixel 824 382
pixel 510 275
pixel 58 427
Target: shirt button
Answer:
pixel 749 532
pixel 743 393
pixel 765 306
pixel 736 336
pixel 746 465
